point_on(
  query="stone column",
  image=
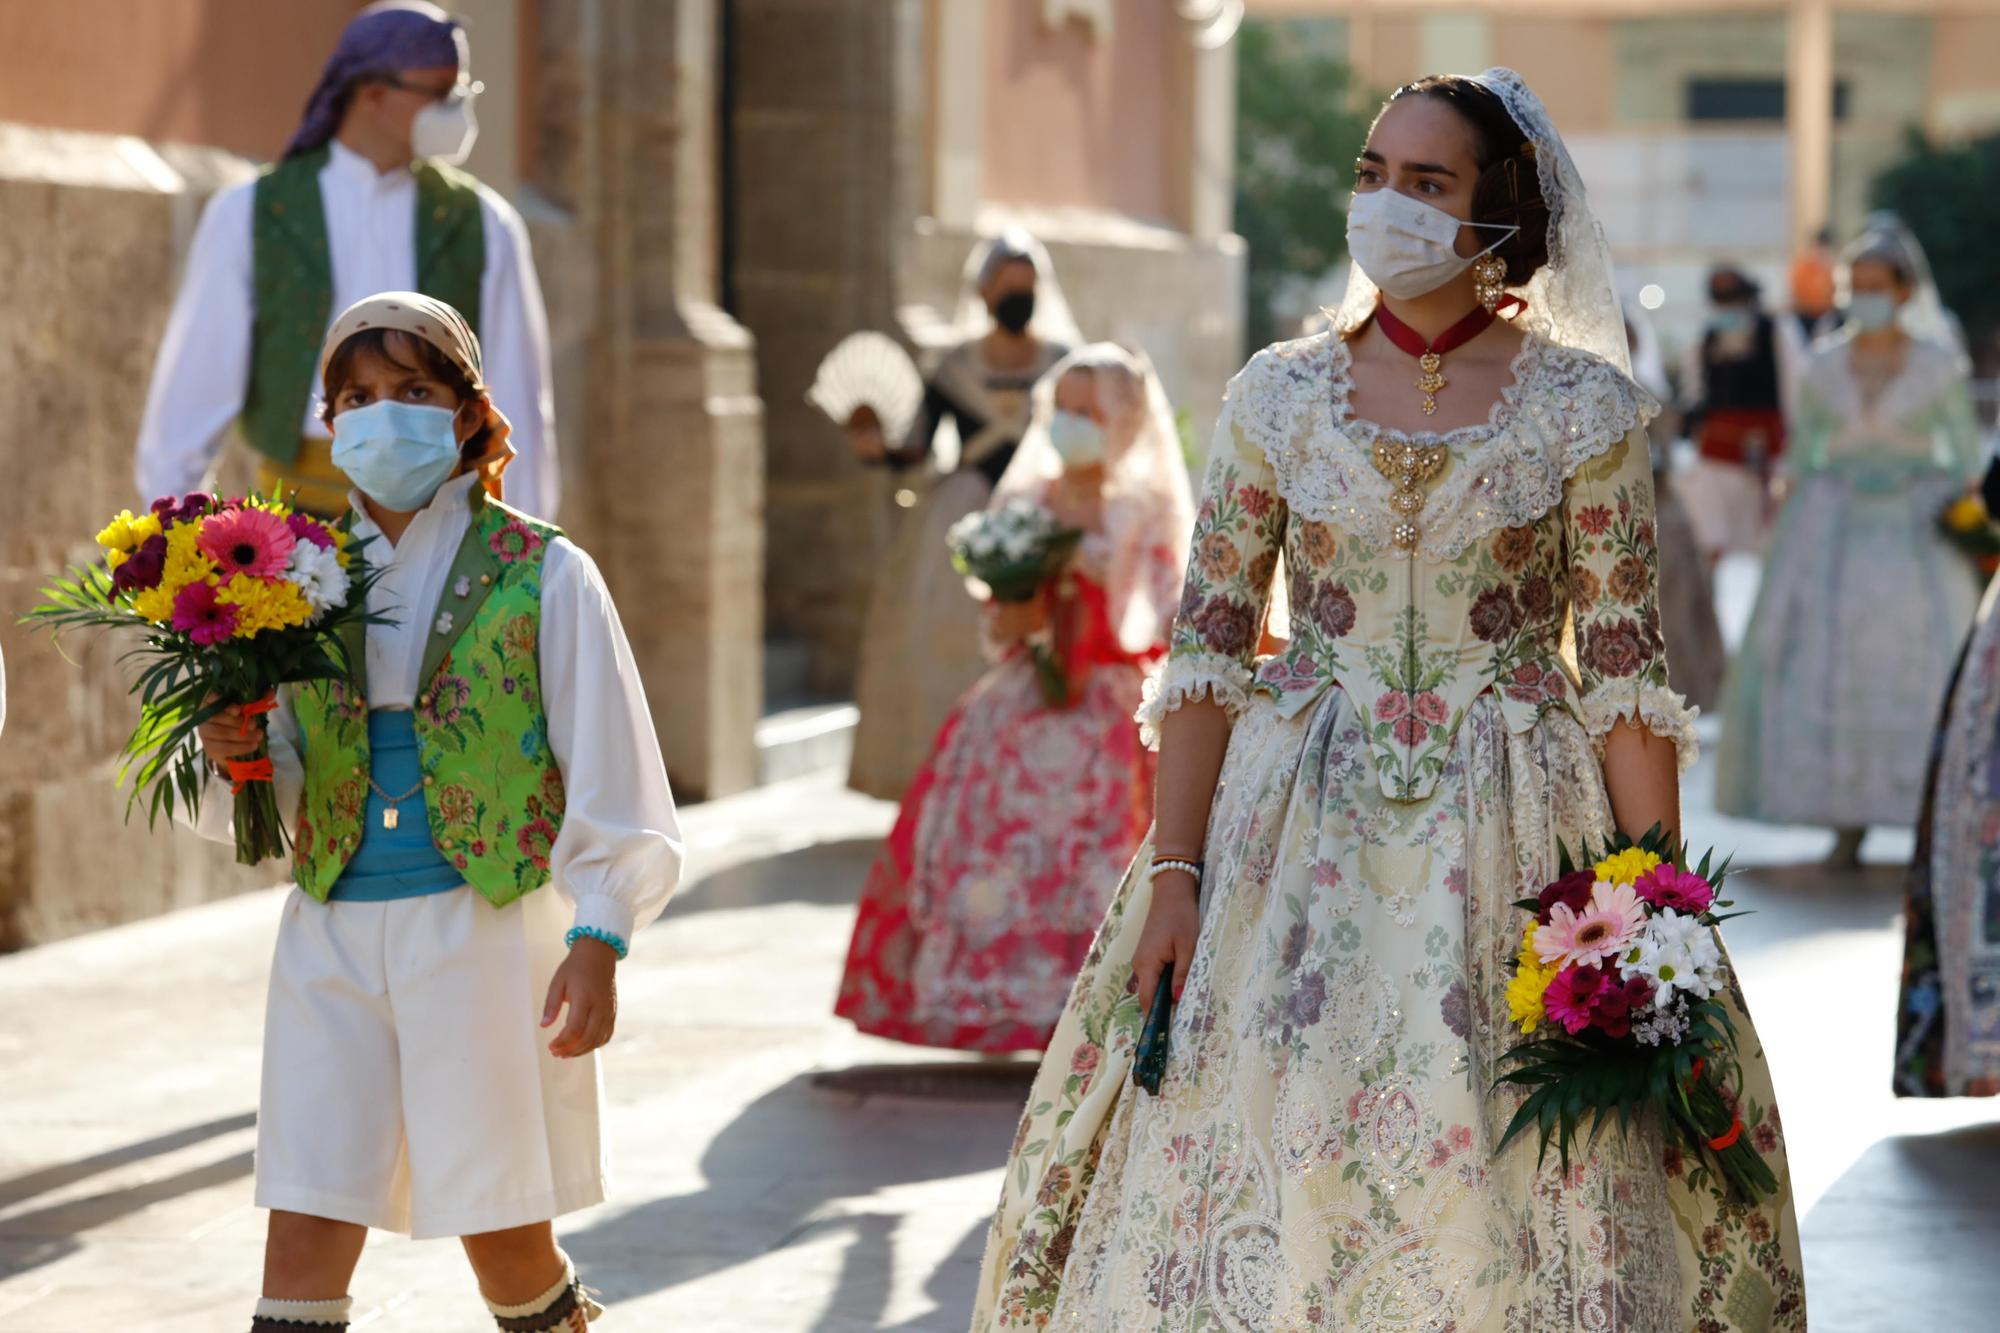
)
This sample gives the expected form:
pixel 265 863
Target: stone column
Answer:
pixel 825 123
pixel 666 481
pixel 1809 115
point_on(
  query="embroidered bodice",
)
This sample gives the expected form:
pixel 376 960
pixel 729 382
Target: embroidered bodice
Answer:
pixel 1540 515
pixel 1920 420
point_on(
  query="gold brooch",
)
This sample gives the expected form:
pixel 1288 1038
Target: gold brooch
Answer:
pixel 1409 467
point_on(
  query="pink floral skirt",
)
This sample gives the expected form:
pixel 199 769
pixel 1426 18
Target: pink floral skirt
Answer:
pixel 1009 845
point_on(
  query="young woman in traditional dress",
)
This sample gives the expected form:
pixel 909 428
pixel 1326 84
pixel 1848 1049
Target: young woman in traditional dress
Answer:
pixel 920 647
pixel 1864 604
pixel 1341 831
pixel 1010 841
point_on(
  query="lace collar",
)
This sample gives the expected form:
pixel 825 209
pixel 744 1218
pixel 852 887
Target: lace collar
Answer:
pixel 1562 409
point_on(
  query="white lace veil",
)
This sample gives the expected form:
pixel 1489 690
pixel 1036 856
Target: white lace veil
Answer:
pixel 1572 299
pixel 1924 316
pixel 1053 322
pixel 1148 504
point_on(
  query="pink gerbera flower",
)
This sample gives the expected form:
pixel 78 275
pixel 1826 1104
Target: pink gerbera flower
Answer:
pixel 247 541
pixel 1571 996
pixel 1608 923
pixel 200 616
pixel 1667 886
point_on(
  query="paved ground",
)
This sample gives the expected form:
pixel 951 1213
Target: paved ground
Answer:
pixel 777 1173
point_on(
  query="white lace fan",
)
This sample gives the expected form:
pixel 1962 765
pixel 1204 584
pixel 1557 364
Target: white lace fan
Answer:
pixel 872 370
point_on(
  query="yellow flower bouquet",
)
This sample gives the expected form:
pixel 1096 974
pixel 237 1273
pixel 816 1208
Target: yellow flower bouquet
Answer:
pixel 233 598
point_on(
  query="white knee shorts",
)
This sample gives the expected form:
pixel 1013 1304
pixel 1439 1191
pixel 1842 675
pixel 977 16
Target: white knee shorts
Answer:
pixel 407 1080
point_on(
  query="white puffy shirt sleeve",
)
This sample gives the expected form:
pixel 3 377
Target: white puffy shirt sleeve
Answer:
pixel 203 366
pixel 619 855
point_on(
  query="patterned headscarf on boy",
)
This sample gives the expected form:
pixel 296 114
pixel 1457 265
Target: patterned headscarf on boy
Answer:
pixel 442 327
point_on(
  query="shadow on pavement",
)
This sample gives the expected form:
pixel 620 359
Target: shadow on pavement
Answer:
pixel 24 1187
pixel 827 874
pixel 40 1236
pixel 774 1176
pixel 1926 1206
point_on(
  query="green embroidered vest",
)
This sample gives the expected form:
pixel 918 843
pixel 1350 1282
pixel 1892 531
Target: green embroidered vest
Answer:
pixel 492 789
pixel 293 281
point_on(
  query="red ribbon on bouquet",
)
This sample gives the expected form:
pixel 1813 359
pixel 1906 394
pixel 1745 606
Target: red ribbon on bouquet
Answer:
pixel 1735 1131
pixel 243 771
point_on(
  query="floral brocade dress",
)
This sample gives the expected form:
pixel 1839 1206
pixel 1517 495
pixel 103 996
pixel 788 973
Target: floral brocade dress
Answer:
pixel 1471 614
pixel 985 898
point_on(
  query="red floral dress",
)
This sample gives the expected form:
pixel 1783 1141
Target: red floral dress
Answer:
pixel 1007 849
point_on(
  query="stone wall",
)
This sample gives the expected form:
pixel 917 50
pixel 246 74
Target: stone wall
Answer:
pixel 657 412
pixel 91 230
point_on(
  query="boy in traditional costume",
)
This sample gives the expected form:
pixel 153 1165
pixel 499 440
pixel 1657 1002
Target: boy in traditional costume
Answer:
pixel 366 198
pixel 493 740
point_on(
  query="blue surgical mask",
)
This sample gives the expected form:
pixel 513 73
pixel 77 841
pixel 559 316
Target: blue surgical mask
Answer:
pixel 397 453
pixel 1731 319
pixel 1871 311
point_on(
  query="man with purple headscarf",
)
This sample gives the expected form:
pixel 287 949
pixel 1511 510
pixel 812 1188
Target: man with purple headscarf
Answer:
pixel 366 199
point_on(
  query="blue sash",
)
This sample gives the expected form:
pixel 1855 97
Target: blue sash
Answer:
pixel 399 862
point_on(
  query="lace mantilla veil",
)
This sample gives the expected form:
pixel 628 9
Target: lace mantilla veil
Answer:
pixel 1052 323
pixel 1572 300
pixel 1148 504
pixel 1924 316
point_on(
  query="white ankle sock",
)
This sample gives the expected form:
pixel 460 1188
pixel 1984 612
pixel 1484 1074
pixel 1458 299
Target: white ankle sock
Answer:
pixel 307 1314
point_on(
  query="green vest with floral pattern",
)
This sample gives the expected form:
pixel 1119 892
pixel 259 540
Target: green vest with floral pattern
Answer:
pixel 292 277
pixel 491 785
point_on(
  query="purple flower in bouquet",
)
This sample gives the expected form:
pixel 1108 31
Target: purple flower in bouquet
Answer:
pixel 192 505
pixel 1572 891
pixel 144 568
pixel 1611 1011
pixel 1668 886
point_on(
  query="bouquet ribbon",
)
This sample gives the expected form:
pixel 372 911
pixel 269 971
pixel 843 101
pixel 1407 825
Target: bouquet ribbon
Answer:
pixel 1735 1131
pixel 243 771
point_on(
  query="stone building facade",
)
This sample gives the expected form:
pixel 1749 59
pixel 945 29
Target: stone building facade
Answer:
pixel 718 190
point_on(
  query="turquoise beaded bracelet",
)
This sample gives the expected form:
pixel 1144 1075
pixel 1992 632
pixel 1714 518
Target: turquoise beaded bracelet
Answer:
pixel 617 942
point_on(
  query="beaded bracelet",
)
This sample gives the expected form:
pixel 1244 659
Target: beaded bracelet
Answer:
pixel 1162 865
pixel 617 942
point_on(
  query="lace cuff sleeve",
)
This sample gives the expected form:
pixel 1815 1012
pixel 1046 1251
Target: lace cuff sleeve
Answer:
pixel 1654 707
pixel 1186 679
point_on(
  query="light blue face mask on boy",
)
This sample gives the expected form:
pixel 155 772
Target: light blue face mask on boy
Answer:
pixel 397 453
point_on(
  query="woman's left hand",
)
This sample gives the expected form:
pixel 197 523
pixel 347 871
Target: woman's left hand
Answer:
pixel 1010 623
pixel 588 982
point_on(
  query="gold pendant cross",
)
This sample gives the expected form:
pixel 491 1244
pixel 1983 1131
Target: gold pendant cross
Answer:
pixel 390 816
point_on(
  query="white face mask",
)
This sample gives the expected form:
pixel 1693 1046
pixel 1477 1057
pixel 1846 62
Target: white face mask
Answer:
pixel 1078 440
pixel 1871 311
pixel 445 130
pixel 1405 245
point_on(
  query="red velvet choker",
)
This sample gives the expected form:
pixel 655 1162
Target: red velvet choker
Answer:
pixel 1430 355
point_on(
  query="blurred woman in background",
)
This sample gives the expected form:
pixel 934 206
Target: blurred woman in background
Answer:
pixel 920 648
pixel 1864 603
pixel 984 900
